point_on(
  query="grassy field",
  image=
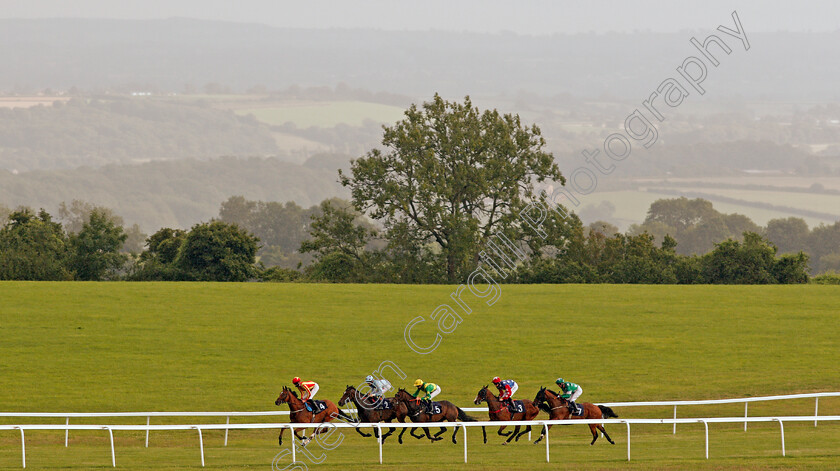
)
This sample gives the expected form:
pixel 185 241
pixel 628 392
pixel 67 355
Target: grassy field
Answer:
pixel 324 114
pixel 184 346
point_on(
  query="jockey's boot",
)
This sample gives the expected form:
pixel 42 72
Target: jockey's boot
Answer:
pixel 428 405
pixel 572 407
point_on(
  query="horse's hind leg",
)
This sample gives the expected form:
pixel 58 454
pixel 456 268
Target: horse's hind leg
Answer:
pixel 359 429
pixel 594 433
pixel 500 431
pixel 606 435
pixel 484 432
pixel 280 437
pixel 523 433
pixel 455 440
pixel 512 435
pixel 442 430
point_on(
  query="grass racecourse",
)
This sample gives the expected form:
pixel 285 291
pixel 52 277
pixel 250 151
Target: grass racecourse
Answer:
pixel 90 347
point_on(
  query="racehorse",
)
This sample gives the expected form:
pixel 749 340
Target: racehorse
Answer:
pixel 499 411
pixel 299 414
pixel 368 414
pixel 558 409
pixel 449 412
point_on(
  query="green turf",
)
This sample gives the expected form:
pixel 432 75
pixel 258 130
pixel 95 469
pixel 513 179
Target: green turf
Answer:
pixel 325 114
pixel 192 346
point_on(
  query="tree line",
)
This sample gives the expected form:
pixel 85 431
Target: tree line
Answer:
pixel 425 207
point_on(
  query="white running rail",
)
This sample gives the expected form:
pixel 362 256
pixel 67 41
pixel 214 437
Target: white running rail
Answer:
pixel 294 445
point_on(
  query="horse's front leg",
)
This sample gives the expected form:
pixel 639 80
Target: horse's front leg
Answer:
pixel 359 430
pixel 442 430
pixel 594 433
pixel 543 433
pixel 500 431
pixel 484 432
pixel 280 437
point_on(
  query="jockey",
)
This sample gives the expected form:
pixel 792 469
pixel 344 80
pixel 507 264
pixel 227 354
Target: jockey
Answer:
pixel 570 391
pixel 308 390
pixel 378 388
pixel 507 388
pixel 429 391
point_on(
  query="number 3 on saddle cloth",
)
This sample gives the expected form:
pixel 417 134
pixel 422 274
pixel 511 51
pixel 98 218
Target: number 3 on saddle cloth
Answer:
pixel 516 407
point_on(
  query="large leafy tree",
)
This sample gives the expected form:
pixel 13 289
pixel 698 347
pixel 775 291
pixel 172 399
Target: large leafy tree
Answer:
pixel 32 247
pixel 217 251
pixel 454 176
pixel 95 250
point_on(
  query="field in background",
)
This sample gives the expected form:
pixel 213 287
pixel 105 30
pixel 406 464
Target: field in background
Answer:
pixel 750 196
pixel 323 113
pixel 191 346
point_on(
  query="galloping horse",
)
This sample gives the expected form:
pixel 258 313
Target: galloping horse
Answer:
pixel 449 412
pixel 299 414
pixel 370 415
pixel 499 411
pixel 558 409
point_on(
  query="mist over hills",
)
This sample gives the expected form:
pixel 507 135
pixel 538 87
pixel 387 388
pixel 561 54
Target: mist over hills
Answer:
pixel 171 55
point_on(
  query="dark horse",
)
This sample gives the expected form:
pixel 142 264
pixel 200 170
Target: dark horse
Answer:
pixel 499 411
pixel 558 409
pixel 299 414
pixel 368 414
pixel 449 412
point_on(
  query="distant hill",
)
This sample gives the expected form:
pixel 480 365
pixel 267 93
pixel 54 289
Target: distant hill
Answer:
pixel 174 54
pixel 95 132
pixel 175 194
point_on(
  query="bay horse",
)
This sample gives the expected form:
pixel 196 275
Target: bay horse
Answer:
pixel 499 411
pixel 558 409
pixel 299 414
pixel 368 414
pixel 449 412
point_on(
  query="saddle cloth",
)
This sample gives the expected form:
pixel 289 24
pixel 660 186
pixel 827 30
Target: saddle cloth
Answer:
pixel 578 410
pixel 516 407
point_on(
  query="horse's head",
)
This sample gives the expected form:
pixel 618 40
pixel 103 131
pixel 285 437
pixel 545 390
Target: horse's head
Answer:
pixel 403 396
pixel 540 397
pixel 481 396
pixel 284 396
pixel 348 394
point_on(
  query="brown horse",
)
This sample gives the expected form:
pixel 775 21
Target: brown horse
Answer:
pixel 449 412
pixel 558 409
pixel 369 414
pixel 499 411
pixel 299 414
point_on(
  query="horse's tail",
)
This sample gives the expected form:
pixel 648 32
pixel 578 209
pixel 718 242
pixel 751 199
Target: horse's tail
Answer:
pixel 606 412
pixel 463 417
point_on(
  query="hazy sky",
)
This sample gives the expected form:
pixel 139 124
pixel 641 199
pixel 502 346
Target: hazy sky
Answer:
pixel 524 16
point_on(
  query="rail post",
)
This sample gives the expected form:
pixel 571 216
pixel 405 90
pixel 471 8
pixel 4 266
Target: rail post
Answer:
pixel 816 409
pixel 628 440
pixel 113 455
pixel 67 433
pixel 294 445
pixel 227 422
pixel 201 445
pixel 148 421
pixel 547 457
pixel 782 427
pixel 675 419
pixel 706 426
pixel 465 442
pixel 746 408
pixel 22 446
pixel 379 439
